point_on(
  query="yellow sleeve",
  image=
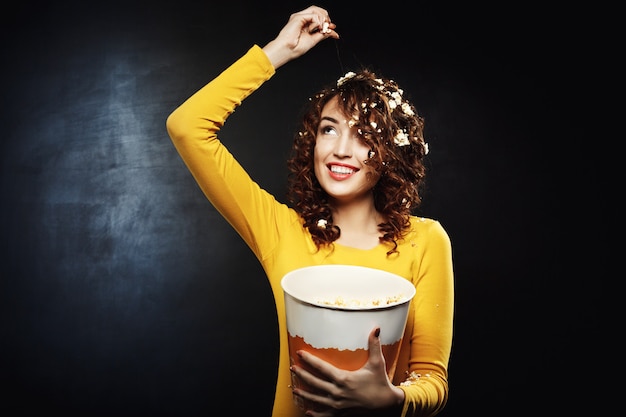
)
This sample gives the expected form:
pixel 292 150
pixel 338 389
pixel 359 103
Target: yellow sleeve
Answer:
pixel 193 128
pixel 425 382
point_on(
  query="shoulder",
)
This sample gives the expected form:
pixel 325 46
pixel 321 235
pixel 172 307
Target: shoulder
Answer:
pixel 427 229
pixel 425 223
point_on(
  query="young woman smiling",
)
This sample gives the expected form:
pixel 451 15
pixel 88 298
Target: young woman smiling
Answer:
pixel 355 174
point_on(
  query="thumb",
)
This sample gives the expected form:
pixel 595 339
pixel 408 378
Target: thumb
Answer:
pixel 376 357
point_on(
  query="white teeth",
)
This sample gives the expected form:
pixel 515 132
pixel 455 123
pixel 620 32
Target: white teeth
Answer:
pixel 341 170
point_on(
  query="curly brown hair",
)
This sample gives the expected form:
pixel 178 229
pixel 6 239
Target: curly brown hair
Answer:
pixel 390 125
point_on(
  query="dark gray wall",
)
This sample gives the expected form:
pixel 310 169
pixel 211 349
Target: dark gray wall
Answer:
pixel 123 292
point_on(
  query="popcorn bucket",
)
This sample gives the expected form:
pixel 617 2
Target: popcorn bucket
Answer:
pixel 331 310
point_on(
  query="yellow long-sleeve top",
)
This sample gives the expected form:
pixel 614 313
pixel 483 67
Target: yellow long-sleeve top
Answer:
pixel 275 234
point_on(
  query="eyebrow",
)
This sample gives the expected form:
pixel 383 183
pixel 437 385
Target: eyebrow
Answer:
pixel 330 119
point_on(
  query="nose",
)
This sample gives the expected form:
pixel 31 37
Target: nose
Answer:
pixel 343 146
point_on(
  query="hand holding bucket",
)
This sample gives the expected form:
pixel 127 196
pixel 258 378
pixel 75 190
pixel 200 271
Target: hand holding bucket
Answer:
pixel 331 310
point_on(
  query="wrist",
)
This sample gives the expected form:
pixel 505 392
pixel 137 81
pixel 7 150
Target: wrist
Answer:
pixel 276 54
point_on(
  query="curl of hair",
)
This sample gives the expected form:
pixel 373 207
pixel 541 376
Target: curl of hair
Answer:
pixel 365 98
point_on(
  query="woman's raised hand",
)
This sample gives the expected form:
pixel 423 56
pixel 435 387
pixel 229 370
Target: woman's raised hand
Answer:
pixel 303 31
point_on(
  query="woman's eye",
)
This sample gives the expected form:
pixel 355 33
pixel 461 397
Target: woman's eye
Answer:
pixel 328 130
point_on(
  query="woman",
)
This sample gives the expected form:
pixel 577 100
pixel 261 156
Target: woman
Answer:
pixel 355 174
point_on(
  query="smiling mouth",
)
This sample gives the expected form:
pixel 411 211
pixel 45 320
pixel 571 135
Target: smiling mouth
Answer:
pixel 341 170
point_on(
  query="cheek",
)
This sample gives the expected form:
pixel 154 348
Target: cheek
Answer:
pixel 322 150
pixel 361 152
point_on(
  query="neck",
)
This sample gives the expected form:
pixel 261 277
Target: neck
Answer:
pixel 357 216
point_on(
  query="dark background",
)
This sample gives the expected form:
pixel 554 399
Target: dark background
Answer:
pixel 124 293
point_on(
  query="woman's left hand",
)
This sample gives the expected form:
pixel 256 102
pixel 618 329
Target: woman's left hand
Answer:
pixel 349 392
pixel 302 32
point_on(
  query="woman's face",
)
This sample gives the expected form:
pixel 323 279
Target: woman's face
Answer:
pixel 339 157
